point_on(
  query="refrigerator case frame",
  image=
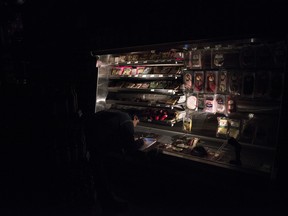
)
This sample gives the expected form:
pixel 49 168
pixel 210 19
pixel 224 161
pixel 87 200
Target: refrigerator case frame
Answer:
pixel 258 155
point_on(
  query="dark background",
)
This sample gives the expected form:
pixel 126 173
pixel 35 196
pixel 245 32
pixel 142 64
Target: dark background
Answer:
pixel 48 75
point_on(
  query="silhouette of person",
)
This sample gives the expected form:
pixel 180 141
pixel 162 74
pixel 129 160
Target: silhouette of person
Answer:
pixel 109 131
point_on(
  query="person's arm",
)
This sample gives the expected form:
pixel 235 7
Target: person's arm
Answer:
pixel 127 136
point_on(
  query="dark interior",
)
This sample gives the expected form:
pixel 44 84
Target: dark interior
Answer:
pixel 48 77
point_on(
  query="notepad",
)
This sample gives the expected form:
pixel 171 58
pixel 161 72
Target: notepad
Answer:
pixel 147 143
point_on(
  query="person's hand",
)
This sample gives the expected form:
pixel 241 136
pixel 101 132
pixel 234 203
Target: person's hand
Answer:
pixel 135 120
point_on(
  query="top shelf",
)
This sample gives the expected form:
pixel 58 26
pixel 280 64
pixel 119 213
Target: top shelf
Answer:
pixel 164 62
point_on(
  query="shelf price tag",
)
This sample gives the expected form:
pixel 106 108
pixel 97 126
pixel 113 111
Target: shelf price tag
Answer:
pixel 144 75
pixel 152 75
pixel 160 75
pixel 170 75
pixel 136 62
pixel 152 90
pixel 145 62
pixel 129 62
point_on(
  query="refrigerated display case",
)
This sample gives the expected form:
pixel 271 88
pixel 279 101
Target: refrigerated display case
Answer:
pixel 213 102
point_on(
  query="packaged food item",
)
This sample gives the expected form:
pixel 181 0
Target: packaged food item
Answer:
pixel 165 70
pixel 129 58
pixel 145 85
pixel 123 58
pixel 209 104
pixel 187 59
pixel 248 128
pixel 135 57
pixel 187 122
pixel 218 59
pixel 117 70
pixel 171 101
pixel 234 128
pixel 165 55
pixel 225 57
pixel 156 70
pixel 222 129
pixel 235 82
pixel 196 59
pixel 161 84
pixel 198 81
pixel 127 71
pixel 192 102
pixel 211 81
pixel 147 70
pixel 187 80
pixel 131 85
pixel 138 85
pixel 231 104
pixel 200 100
pixel 153 84
pixel 223 81
pixel 154 56
pixel 140 70
pixel 221 104
pixel 143 56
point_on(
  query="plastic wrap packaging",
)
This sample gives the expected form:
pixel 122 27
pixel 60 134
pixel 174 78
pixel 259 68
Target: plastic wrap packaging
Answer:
pixel 225 57
pixel 211 80
pixel 192 102
pixel 221 104
pixel 196 59
pixel 199 81
pixel 188 80
pixel 222 81
pixel 187 122
pixel 222 129
pixel 234 128
pixel 209 104
pixel 117 71
pixel 235 82
pixel 127 71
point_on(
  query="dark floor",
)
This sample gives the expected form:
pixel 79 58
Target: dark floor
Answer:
pixel 149 190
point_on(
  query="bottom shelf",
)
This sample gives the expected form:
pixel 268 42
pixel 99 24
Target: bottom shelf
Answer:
pixel 218 152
